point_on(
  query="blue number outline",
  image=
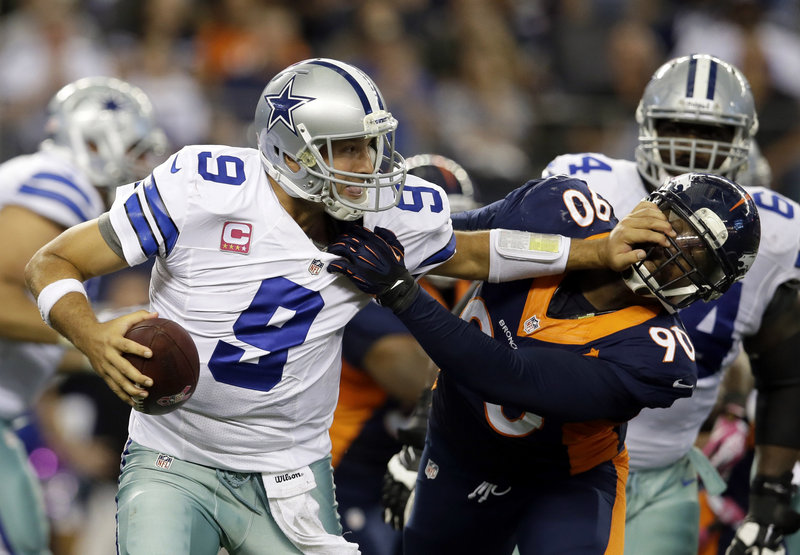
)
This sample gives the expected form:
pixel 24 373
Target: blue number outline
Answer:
pixel 587 166
pixel 776 204
pixel 417 203
pixel 252 327
pixel 222 169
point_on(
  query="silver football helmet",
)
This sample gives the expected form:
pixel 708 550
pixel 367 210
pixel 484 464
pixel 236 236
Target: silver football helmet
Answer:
pixel 307 107
pixel 696 114
pixel 109 127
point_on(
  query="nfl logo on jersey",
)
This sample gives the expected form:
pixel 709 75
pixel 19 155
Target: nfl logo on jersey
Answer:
pixel 315 267
pixel 431 470
pixel 531 324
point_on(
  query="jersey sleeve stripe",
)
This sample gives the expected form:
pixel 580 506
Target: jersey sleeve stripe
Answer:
pixel 65 181
pixel 167 227
pixel 135 213
pixel 28 190
pixel 443 255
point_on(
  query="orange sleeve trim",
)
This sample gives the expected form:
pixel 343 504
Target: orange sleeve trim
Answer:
pixel 616 535
pixel 573 331
pixel 589 443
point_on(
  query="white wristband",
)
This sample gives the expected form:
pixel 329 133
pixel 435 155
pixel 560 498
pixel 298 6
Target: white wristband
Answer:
pixel 523 255
pixel 53 292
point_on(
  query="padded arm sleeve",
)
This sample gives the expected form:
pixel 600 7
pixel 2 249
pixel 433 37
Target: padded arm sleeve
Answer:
pixel 520 255
pixel 774 353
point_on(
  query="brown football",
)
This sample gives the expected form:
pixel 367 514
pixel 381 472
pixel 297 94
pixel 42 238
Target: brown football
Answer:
pixel 174 366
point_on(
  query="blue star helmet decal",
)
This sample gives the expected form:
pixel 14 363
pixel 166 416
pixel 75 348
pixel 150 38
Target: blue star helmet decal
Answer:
pixel 111 104
pixel 283 104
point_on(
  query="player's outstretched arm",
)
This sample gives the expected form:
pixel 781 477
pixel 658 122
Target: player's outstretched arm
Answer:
pixel 55 275
pixel 504 255
pixel 374 263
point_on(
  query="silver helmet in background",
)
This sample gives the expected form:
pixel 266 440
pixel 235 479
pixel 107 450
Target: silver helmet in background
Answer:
pixel 696 114
pixel 109 127
pixel 306 107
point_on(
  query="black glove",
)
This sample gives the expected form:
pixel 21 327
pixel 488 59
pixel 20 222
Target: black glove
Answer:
pixel 397 495
pixel 374 263
pixel 769 518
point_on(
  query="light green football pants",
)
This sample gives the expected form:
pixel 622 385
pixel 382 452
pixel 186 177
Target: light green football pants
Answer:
pixel 23 522
pixel 166 506
pixel 663 510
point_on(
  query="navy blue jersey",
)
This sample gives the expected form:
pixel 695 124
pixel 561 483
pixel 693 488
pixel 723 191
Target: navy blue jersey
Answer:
pixel 532 379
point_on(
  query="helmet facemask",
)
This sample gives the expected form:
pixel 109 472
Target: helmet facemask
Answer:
pixel 687 270
pixel 387 172
pixel 697 114
pixel 718 233
pixel 672 147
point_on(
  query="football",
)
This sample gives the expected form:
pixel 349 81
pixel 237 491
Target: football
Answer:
pixel 174 366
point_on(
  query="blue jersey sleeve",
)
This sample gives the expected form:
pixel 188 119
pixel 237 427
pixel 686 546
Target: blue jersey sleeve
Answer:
pixel 549 381
pixel 477 219
pixel 559 205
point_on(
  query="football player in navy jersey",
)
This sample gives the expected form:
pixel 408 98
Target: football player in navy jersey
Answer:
pixel 239 237
pixel 525 441
pixel 384 370
pixel 697 113
pixel 101 133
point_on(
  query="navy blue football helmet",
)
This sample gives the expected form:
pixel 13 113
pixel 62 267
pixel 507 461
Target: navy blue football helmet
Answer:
pixel 449 175
pixel 718 236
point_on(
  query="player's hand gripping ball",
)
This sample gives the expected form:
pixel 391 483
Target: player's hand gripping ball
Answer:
pixel 174 366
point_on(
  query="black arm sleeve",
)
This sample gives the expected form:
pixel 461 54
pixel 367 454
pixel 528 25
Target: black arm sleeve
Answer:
pixel 551 382
pixel 774 354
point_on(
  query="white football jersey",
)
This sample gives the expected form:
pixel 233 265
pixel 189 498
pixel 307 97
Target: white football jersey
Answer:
pixel 658 437
pixel 50 185
pixel 253 290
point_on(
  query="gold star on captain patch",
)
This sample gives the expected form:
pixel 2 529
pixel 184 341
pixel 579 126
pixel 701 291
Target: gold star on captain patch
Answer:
pixel 592 353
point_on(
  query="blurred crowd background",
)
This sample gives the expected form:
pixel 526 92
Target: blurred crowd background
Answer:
pixel 501 86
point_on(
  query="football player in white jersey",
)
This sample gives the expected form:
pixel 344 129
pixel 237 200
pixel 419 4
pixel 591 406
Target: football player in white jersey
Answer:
pixel 697 114
pixel 239 237
pixel 101 133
